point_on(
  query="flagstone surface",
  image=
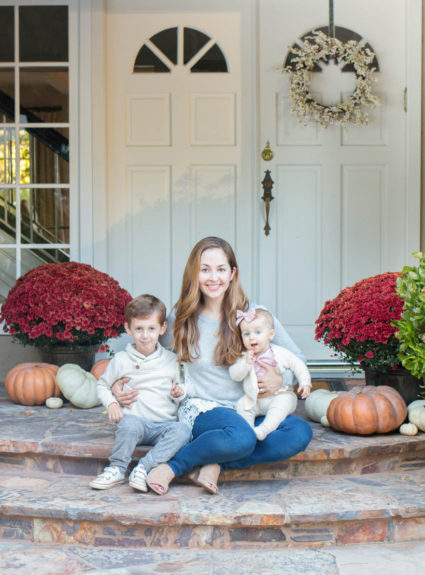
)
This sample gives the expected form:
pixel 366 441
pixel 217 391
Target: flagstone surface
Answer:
pixel 343 492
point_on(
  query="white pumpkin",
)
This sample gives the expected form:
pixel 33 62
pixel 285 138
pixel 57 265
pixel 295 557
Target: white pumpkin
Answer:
pixel 408 429
pixel 77 385
pixel 317 403
pixel 416 413
pixel 324 421
pixel 54 402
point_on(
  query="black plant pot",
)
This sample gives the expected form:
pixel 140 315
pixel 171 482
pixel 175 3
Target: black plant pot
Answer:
pixel 399 379
pixel 82 355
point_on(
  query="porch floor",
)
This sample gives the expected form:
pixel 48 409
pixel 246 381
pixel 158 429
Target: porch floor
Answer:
pixel 346 505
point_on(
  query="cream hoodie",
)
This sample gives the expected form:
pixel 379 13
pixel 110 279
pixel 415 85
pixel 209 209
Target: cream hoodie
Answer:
pixel 152 375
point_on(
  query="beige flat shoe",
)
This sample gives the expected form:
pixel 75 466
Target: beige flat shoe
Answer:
pixel 160 478
pixel 206 477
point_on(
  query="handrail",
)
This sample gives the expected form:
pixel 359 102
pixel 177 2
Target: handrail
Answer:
pixel 37 233
pixel 50 137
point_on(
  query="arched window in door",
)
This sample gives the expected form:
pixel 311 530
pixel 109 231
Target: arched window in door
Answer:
pixel 180 46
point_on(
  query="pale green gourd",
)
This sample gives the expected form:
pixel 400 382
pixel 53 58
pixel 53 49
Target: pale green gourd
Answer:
pixel 77 385
pixel 324 421
pixel 317 403
pixel 416 413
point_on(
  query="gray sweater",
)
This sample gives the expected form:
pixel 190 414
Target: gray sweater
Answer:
pixel 211 382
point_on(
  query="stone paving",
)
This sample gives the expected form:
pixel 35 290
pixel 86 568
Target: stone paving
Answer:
pixel 307 515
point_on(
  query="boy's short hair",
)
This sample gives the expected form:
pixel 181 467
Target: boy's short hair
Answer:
pixel 266 315
pixel 145 305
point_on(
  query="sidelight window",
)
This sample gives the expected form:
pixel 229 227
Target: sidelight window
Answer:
pixel 34 138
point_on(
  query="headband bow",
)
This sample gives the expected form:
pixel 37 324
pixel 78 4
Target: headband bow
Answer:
pixel 245 315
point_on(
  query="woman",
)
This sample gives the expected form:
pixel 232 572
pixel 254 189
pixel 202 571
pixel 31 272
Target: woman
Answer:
pixel 206 338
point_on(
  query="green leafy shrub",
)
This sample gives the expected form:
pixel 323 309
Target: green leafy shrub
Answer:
pixel 411 326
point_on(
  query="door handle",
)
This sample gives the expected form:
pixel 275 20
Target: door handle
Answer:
pixel 267 197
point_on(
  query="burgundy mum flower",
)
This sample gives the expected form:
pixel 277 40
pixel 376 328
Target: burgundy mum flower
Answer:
pixel 65 302
pixel 357 324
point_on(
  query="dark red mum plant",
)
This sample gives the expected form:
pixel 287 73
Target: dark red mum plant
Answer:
pixel 65 304
pixel 357 323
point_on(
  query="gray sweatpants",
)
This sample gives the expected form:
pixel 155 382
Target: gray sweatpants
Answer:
pixel 167 437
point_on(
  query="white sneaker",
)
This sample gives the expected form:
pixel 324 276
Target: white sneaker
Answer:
pixel 137 478
pixel 110 477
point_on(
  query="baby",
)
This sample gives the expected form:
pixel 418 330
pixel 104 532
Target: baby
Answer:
pixel 257 332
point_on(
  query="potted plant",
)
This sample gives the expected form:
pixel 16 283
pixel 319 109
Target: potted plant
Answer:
pixel 411 326
pixel 358 325
pixel 65 308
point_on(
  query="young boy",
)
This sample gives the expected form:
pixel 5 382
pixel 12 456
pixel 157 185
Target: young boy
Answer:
pixel 152 419
pixel 257 332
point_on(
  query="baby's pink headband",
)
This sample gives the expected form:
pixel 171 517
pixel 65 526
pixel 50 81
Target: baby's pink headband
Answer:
pixel 245 315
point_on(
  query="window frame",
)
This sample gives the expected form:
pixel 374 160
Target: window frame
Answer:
pixel 76 237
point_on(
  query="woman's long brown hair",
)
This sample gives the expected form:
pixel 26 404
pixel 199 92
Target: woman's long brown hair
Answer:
pixel 186 333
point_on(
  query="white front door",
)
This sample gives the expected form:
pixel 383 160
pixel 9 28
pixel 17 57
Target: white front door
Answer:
pixel 173 141
pixel 346 202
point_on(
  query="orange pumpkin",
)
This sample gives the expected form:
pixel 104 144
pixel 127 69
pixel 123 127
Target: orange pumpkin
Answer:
pixel 366 410
pixel 99 367
pixel 32 383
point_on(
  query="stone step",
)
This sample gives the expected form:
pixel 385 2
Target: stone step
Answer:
pixel 78 441
pixel 21 558
pixel 309 512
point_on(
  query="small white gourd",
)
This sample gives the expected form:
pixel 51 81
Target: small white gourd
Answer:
pixel 416 413
pixel 408 429
pixel 78 386
pixel 54 402
pixel 317 403
pixel 324 421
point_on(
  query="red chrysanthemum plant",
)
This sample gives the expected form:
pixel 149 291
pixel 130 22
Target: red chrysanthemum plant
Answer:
pixel 67 303
pixel 357 323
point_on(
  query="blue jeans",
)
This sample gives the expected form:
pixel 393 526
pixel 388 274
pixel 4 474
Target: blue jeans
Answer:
pixel 167 437
pixel 222 436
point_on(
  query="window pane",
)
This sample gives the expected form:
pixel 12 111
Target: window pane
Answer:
pixel 43 34
pixel 44 156
pixel 33 257
pixel 7 272
pixel 166 41
pixel 146 61
pixel 7 34
pixel 193 42
pixel 7 156
pixel 45 216
pixel 7 216
pixel 212 61
pixel 7 95
pixel 44 95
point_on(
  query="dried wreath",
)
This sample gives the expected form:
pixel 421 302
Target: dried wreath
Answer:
pixel 319 48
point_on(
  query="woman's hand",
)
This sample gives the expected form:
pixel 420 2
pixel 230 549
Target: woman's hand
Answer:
pixel 271 381
pixel 125 398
